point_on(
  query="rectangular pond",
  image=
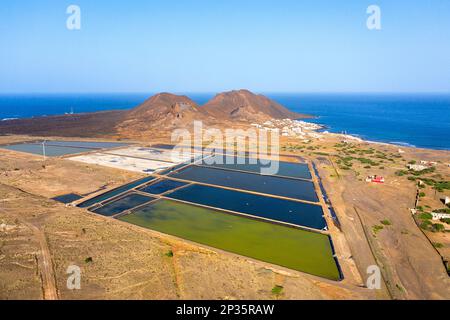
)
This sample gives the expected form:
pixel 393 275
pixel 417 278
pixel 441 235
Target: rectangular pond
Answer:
pixel 285 187
pixel 298 213
pixel 295 249
pixel 50 151
pixel 85 144
pixel 112 193
pixel 124 203
pixel 163 146
pixel 287 169
pixel 67 198
pixel 162 186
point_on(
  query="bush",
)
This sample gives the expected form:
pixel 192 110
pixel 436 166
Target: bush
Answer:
pixel 367 161
pixel 88 260
pixel 438 245
pixel 426 216
pixel 385 222
pixel 429 182
pixel 425 225
pixel 277 290
pixel 169 254
pixel 377 228
pixel 445 220
pixel 442 185
pixel 444 210
pixel 437 227
pixel 422 194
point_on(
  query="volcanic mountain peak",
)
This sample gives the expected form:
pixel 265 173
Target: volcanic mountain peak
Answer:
pixel 163 111
pixel 163 103
pixel 246 106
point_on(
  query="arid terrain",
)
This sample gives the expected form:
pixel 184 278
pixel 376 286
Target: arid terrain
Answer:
pixel 119 260
pixel 40 238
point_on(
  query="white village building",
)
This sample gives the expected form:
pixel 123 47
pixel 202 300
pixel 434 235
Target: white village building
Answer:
pixel 440 215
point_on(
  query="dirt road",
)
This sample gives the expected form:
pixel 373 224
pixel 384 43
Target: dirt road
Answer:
pixel 44 260
pixel 412 267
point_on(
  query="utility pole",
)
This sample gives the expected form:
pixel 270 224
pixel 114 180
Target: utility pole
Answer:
pixel 43 149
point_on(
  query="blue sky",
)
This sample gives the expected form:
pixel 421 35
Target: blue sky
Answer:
pixel 211 46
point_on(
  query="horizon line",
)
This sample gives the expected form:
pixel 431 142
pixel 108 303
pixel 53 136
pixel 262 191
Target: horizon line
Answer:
pixel 217 92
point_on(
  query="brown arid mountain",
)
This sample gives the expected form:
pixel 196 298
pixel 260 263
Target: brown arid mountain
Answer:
pixel 161 113
pixel 163 107
pixel 243 105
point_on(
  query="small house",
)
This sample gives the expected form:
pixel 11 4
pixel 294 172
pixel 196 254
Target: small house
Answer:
pixel 446 200
pixel 440 215
pixel 416 167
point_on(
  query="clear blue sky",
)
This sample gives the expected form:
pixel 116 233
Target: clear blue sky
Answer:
pixel 210 46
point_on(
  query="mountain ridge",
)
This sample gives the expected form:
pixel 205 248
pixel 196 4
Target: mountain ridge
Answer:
pixel 245 105
pixel 160 112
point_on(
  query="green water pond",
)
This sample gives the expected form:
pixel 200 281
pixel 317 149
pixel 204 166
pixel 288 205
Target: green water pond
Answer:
pixel 296 249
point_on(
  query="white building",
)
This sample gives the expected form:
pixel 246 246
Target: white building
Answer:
pixel 446 200
pixel 416 167
pixel 440 215
pixel 428 163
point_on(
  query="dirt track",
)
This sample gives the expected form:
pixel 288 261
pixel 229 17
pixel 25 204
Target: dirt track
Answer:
pixel 50 291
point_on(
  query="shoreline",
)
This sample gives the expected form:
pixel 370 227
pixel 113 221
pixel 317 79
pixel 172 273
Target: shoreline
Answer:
pixel 361 139
pixel 323 129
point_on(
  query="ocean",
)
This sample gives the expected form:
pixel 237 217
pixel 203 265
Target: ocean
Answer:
pixel 420 120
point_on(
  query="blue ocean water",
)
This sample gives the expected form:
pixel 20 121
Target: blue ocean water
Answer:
pixel 29 105
pixel 421 120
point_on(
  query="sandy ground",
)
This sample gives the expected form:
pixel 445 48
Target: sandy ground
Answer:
pixel 54 177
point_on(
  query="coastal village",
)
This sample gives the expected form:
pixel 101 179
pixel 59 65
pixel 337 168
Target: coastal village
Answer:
pixel 291 128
